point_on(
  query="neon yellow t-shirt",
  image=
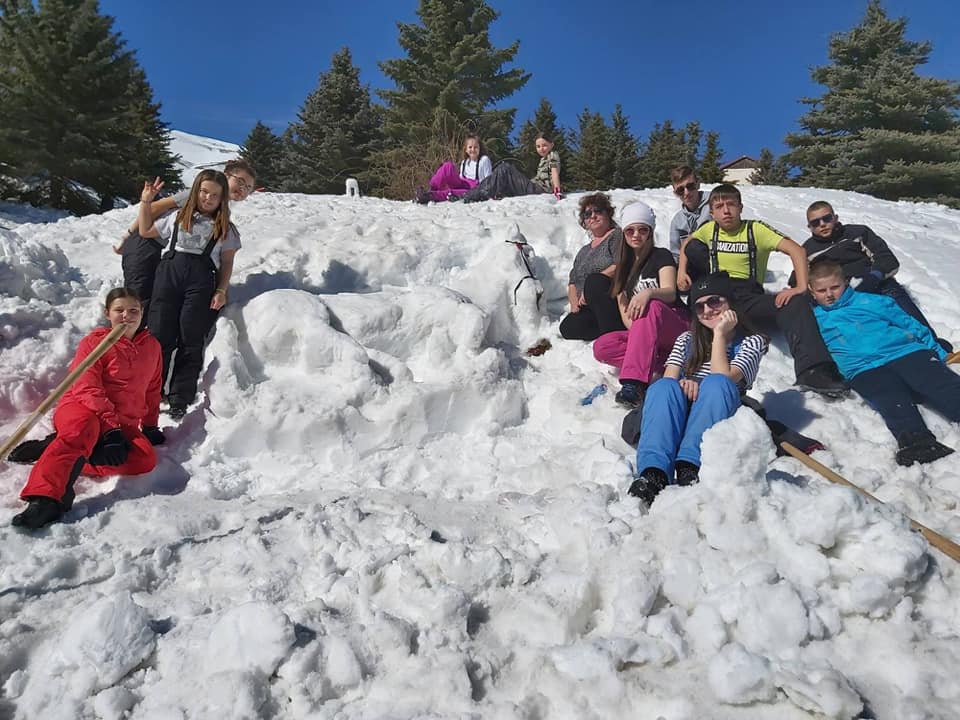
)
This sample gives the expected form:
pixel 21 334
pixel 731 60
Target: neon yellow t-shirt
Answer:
pixel 732 253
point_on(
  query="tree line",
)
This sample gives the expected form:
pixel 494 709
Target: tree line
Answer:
pixel 75 107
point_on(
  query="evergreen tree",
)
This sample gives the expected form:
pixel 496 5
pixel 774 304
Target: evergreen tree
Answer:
pixel 591 166
pixel 667 148
pixel 264 150
pixel 62 62
pixel 880 128
pixel 710 171
pixel 626 151
pixel 544 120
pixel 771 170
pixel 446 86
pixel 338 129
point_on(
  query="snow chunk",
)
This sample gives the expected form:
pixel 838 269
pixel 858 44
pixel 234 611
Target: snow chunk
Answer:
pixel 254 636
pixel 737 676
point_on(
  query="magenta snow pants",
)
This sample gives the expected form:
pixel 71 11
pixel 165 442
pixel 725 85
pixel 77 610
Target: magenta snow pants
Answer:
pixel 446 181
pixel 641 351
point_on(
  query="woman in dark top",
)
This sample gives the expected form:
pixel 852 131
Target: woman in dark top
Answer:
pixel 592 310
pixel 645 291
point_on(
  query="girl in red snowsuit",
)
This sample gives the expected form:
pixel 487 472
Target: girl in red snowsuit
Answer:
pixel 106 422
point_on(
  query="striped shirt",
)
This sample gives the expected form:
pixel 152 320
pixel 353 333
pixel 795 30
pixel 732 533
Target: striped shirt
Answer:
pixel 745 353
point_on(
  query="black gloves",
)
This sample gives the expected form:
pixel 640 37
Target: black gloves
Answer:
pixel 870 282
pixel 111 449
pixel 154 435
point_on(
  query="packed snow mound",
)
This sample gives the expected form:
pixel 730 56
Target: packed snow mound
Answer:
pixel 381 506
pixel 200 153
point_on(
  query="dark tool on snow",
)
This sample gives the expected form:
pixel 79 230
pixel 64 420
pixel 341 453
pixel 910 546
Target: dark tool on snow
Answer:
pixel 941 543
pixel 105 344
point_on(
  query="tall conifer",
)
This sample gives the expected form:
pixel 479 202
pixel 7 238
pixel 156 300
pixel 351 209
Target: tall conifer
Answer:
pixel 880 128
pixel 337 130
pixel 63 63
pixel 450 82
pixel 264 150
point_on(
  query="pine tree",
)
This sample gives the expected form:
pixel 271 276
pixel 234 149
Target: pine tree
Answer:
pixel 710 171
pixel 771 170
pixel 446 86
pixel 591 166
pixel 626 151
pixel 544 120
pixel 667 148
pixel 338 129
pixel 63 63
pixel 880 128
pixel 264 150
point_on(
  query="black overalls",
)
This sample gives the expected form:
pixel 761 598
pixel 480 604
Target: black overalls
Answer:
pixel 181 317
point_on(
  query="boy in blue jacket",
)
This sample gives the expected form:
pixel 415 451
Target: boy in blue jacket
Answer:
pixel 889 358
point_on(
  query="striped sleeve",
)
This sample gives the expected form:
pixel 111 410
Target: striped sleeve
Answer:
pixel 748 356
pixel 678 355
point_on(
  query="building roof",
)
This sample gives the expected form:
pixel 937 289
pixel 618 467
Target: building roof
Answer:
pixel 744 162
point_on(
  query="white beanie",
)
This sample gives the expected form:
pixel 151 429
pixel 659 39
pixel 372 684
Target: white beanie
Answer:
pixel 638 212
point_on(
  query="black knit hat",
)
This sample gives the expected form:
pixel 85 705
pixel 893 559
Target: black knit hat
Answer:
pixel 716 284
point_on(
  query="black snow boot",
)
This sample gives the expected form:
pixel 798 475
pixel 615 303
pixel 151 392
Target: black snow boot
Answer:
pixel 30 451
pixel 687 473
pixel 646 487
pixel 824 379
pixel 631 394
pixel 922 452
pixel 40 511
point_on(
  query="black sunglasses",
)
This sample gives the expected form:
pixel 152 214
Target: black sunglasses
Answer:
pixel 817 222
pixel 681 190
pixel 590 212
pixel 714 302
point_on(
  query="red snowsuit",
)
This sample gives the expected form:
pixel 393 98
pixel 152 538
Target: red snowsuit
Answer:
pixel 120 390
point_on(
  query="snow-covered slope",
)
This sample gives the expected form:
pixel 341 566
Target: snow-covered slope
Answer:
pixel 382 508
pixel 199 153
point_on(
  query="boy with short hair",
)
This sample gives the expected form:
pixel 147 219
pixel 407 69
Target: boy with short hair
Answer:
pixel 889 359
pixel 742 248
pixel 863 255
pixel 694 207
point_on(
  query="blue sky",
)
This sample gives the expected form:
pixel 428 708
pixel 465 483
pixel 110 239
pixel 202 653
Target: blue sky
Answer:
pixel 739 67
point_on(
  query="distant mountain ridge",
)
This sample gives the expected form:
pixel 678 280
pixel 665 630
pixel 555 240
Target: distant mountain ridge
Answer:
pixel 199 153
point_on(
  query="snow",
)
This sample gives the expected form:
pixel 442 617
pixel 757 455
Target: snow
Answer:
pixel 200 153
pixel 381 508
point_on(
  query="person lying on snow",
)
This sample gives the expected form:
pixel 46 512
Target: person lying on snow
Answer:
pixel 106 422
pixel 710 367
pixel 507 181
pixel 452 181
pixel 889 358
pixel 864 257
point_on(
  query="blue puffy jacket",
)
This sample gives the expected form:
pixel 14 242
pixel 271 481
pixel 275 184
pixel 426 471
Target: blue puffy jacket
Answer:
pixel 863 331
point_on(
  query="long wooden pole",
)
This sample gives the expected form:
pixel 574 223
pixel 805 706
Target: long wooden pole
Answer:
pixel 941 543
pixel 104 345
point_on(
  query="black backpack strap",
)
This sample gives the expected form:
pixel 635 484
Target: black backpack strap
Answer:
pixel 209 246
pixel 714 261
pixel 173 242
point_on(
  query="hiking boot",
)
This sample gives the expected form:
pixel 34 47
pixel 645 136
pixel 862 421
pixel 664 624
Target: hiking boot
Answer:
pixel 824 379
pixel 30 451
pixel 922 452
pixel 631 394
pixel 422 196
pixel 646 487
pixel 40 511
pixel 687 473
pixel 176 411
